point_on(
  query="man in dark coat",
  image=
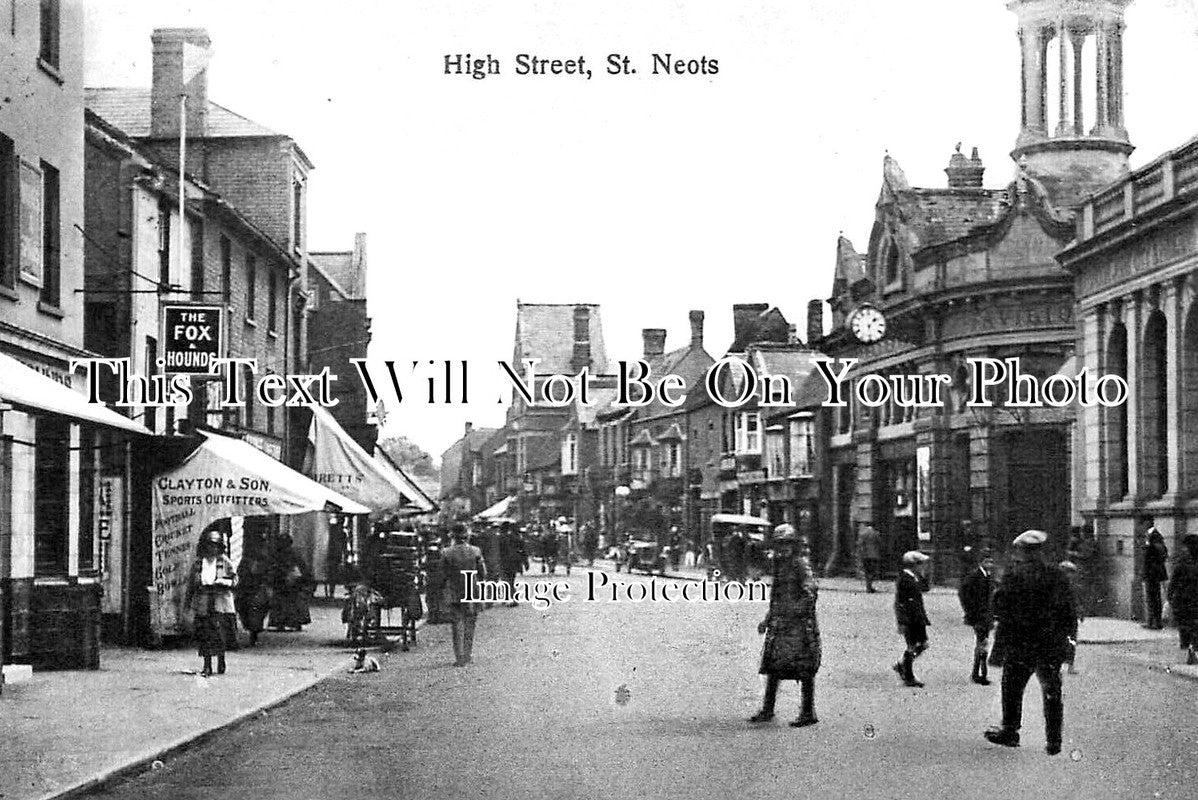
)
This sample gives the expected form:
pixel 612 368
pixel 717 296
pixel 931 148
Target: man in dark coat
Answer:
pixel 792 647
pixel 974 593
pixel 1183 596
pixel 1036 620
pixel 869 550
pixel 734 553
pixel 1155 573
pixel 457 560
pixel 910 614
pixel 513 558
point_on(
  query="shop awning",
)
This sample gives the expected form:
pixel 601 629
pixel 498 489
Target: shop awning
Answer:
pixel 228 477
pixel 495 511
pixel 339 463
pixel 27 388
pixel 419 499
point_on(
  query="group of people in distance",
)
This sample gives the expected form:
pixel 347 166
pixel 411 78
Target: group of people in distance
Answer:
pixel 1033 606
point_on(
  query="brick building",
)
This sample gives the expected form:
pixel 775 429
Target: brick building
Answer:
pixel 339 330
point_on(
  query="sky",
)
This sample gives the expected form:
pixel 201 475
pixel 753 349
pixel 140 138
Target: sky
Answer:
pixel 648 194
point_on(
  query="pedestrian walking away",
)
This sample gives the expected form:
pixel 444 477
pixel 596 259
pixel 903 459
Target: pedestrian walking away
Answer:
pixel 457 560
pixel 792 642
pixel 975 592
pixel 1033 609
pixel 869 550
pixel 210 597
pixel 1155 573
pixel 910 614
pixel 1183 596
pixel 513 558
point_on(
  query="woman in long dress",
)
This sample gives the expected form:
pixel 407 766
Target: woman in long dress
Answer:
pixel 210 596
pixel 292 583
pixel 792 647
pixel 253 592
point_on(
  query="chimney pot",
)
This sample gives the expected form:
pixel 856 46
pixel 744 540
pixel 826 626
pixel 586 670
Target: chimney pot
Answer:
pixel 655 341
pixel 815 321
pixel 696 318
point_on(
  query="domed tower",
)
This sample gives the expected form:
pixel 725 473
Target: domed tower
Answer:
pixel 1072 136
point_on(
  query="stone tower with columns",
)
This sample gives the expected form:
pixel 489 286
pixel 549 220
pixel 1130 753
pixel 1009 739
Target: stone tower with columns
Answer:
pixel 1072 136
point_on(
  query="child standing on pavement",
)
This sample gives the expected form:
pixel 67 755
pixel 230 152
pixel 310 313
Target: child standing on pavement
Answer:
pixel 210 596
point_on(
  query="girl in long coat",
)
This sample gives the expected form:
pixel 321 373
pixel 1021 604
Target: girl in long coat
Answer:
pixel 1183 596
pixel 210 596
pixel 792 647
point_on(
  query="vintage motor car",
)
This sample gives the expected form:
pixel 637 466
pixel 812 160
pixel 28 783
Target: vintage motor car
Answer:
pixel 646 555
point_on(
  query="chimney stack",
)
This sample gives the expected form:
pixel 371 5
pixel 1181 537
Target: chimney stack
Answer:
pixel 815 321
pixel 746 322
pixel 696 318
pixel 581 355
pixel 180 67
pixel 965 173
pixel 469 427
pixel 655 341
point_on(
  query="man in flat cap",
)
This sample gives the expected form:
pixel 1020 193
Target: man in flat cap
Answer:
pixel 977 587
pixel 1036 619
pixel 910 615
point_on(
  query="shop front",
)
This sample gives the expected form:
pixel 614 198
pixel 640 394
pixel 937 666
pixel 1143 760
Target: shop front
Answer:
pixel 60 459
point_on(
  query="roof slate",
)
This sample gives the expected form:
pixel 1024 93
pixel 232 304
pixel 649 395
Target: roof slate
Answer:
pixel 128 108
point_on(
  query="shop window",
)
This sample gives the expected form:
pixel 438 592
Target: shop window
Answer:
pixel 89 458
pixel 51 498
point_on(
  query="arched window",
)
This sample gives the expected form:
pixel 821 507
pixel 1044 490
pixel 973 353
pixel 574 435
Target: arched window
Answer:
pixel 1154 422
pixel 890 263
pixel 1189 402
pixel 1115 418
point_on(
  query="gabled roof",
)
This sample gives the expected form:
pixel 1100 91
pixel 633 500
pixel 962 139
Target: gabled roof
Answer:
pixel 546 331
pixel 128 108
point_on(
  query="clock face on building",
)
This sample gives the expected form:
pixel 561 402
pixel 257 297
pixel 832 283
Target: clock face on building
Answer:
pixel 868 324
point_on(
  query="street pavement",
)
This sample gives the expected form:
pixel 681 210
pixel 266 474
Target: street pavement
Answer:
pixel 632 699
pixel 63 731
